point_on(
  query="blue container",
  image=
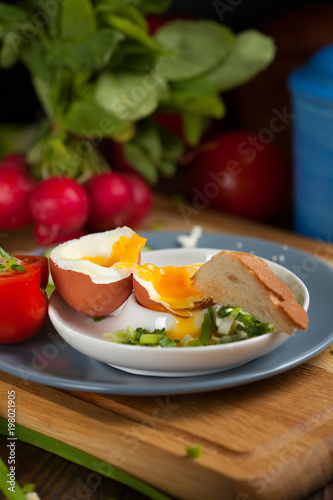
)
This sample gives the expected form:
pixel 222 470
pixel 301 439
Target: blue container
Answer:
pixel 311 89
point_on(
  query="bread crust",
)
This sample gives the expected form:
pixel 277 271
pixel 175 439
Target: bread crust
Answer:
pixel 230 276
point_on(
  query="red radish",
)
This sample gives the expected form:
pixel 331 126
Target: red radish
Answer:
pixel 15 188
pixel 111 201
pixel 14 160
pixel 142 199
pixel 115 156
pixel 60 203
pixel 46 235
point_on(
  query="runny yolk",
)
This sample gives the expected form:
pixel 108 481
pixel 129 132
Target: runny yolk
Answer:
pixel 123 250
pixel 172 284
pixel 186 326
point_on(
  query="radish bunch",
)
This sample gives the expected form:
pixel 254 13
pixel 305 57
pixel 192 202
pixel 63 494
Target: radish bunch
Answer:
pixel 61 208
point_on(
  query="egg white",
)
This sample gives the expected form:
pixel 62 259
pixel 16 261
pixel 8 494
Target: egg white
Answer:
pixel 70 255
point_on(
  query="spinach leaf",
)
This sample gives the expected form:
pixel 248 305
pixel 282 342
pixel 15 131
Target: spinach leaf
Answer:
pixel 251 53
pixel 10 14
pixel 77 18
pixel 154 6
pixel 128 96
pixel 194 47
pixel 113 5
pixel 196 96
pixel 130 28
pixel 135 156
pixel 85 53
pixel 89 120
pixel 194 126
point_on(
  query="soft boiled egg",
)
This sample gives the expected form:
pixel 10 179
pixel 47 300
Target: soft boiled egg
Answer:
pixel 168 289
pixel 86 274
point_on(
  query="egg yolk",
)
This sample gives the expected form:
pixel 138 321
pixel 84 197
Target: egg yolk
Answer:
pixel 123 250
pixel 186 326
pixel 173 284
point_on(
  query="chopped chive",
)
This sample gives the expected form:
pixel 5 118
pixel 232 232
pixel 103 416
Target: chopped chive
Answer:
pixel 17 267
pixel 205 330
pixel 166 342
pixel 4 254
pixel 97 318
pixel 150 338
pixel 194 451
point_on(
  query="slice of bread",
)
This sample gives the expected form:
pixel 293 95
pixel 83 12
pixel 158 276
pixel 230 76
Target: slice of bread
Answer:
pixel 242 279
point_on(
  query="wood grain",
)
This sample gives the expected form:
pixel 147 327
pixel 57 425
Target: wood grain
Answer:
pixel 269 440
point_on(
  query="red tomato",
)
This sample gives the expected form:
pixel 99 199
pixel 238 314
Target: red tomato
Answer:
pixel 23 303
pixel 238 173
pixel 40 261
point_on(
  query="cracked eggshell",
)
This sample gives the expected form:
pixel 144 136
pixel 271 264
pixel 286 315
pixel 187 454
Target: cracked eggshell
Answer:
pixel 89 288
pixel 147 296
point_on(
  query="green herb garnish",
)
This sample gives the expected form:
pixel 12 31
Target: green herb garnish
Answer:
pixel 96 319
pixel 229 324
pixel 9 263
pixel 194 451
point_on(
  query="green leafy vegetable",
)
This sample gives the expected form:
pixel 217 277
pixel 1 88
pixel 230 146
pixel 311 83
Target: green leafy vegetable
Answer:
pixel 205 330
pixel 195 47
pixel 94 63
pixel 15 494
pixel 229 324
pixel 9 263
pixel 141 336
pixel 77 18
pixel 251 53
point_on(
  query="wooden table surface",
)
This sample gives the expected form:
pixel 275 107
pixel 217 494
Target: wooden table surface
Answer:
pixel 284 428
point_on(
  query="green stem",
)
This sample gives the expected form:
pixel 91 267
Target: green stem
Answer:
pixel 15 493
pixel 80 458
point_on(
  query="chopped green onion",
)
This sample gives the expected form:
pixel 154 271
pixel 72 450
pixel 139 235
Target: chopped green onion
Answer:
pixel 195 343
pixel 17 267
pixel 212 318
pixel 226 325
pixel 166 342
pixel 194 451
pixel 4 254
pixel 225 339
pixel 205 330
pixel 229 324
pixel 150 338
pixel 9 263
pixel 229 311
pixel 186 340
pixel 97 318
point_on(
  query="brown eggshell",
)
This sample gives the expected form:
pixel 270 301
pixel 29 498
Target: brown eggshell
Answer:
pixel 143 297
pixel 89 298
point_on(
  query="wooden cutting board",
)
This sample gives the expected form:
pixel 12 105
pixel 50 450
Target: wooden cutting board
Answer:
pixel 271 439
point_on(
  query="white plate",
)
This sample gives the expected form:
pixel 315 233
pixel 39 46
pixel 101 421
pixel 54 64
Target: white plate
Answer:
pixel 86 336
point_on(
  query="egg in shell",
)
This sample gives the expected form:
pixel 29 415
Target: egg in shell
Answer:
pixel 86 274
pixel 168 289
